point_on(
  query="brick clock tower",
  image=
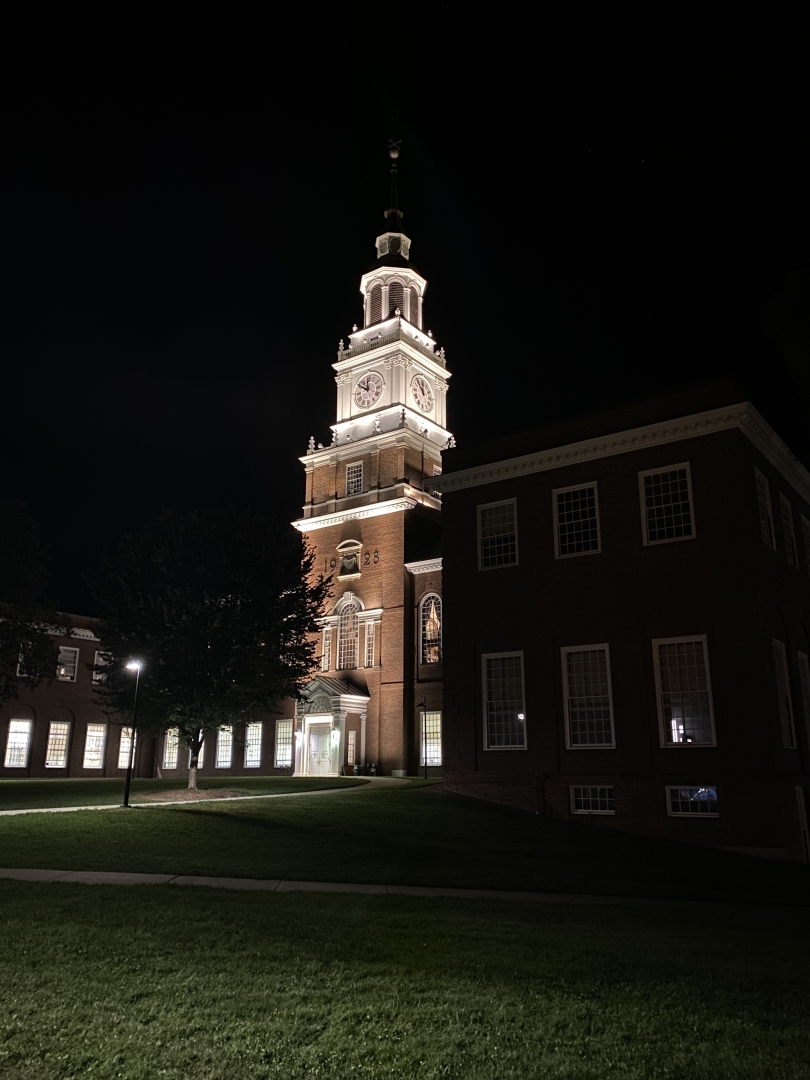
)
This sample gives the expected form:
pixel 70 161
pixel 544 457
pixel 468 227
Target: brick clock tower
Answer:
pixel 373 520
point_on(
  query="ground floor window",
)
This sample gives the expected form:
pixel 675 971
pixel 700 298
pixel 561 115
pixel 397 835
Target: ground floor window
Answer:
pixel 431 738
pixel 94 742
pixel 224 754
pixel 592 800
pixel 56 754
pixel 284 744
pixel 125 747
pixel 171 745
pixel 692 802
pixel 253 745
pixel 351 748
pixel 504 708
pixel 18 743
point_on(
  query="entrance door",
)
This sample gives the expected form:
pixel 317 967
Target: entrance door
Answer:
pixel 320 750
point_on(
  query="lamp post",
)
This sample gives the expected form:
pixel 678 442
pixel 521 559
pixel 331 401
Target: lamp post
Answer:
pixel 133 665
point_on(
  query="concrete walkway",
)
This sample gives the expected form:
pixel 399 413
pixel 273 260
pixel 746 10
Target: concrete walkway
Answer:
pixel 373 781
pixel 93 877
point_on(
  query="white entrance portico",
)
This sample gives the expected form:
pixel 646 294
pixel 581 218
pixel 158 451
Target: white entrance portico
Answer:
pixel 320 726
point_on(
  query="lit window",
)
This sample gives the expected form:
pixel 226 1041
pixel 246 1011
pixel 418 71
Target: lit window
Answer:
pixel 804 679
pixel 171 747
pixel 497 535
pixel 18 743
pixel 98 664
pixel 783 694
pixel 351 745
pixel 67 665
pixel 370 644
pixel 431 738
pixel 684 693
pixel 253 745
pixel 284 744
pixel 592 800
pixel 125 747
pixel 348 635
pixel 504 706
pixel 56 754
pixel 354 478
pixel 326 652
pixel 576 521
pixel 692 802
pixel 791 550
pixel 588 706
pixel 765 513
pixel 666 500
pixel 94 742
pixel 430 629
pixel 224 753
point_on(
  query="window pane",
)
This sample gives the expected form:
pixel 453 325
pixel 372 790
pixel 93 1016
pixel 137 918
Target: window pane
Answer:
pixel 431 630
pixel 18 743
pixel 284 744
pixel 506 724
pixel 94 742
pixel 326 655
pixel 783 694
pixel 764 504
pixel 667 506
pixel 57 751
pixel 253 745
pixel 577 522
pixel 592 800
pixel 224 748
pixel 351 744
pixel 171 746
pixel 431 737
pixel 348 634
pixel 498 535
pixel 354 478
pixel 125 746
pixel 590 719
pixel 789 532
pixel 693 800
pixel 67 664
pixel 684 692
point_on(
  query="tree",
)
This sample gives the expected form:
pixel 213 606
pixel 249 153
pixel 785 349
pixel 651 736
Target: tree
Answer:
pixel 28 652
pixel 221 606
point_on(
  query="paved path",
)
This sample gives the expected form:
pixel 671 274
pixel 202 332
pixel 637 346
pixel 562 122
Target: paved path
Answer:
pixel 381 781
pixel 93 877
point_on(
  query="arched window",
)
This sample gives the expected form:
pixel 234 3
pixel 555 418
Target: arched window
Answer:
pixel 430 629
pixel 374 305
pixel 413 309
pixel 348 632
pixel 396 298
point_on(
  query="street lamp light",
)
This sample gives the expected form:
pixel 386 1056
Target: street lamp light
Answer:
pixel 133 665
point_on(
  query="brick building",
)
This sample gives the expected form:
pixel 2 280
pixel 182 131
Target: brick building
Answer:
pixel 628 619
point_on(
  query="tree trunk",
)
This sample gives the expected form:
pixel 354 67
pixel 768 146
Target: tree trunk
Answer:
pixel 192 777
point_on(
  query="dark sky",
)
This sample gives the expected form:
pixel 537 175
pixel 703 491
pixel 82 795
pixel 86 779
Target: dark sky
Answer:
pixel 186 212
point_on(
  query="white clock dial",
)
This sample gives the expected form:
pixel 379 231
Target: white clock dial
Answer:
pixel 368 390
pixel 422 394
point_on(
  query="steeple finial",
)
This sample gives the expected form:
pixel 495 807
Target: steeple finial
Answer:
pixel 394 215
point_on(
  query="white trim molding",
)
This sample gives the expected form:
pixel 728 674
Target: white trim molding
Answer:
pixel 742 416
pixel 323 521
pixel 424 566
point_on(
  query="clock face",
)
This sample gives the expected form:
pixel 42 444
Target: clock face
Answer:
pixel 368 390
pixel 422 394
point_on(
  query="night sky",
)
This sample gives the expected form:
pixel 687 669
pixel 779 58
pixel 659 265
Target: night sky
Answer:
pixel 186 213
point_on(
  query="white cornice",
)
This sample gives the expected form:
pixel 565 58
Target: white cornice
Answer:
pixel 425 566
pixel 742 416
pixel 393 506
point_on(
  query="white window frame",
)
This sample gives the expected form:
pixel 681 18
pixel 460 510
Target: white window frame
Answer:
pixel 789 531
pixel 556 519
pixel 278 762
pixel 574 788
pixel 434 740
pixel 99 676
pixel 223 758
pixel 765 510
pixel 479 510
pixel 434 596
pixel 804 681
pixel 564 651
pixel 63 649
pixel 253 744
pixel 62 763
pixel 100 732
pixel 690 787
pixel 485 702
pixel 171 748
pixel 643 503
pixel 346 601
pixel 13 745
pixel 784 697
pixel 658 692
pixel 369 644
pixel 356 478
pixel 326 649
pixel 351 747
pixel 124 740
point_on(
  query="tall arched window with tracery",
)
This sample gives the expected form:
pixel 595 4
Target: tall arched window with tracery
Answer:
pixel 430 629
pixel 348 633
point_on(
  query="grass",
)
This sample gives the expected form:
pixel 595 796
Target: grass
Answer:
pixel 411 835
pixel 144 983
pixel 33 794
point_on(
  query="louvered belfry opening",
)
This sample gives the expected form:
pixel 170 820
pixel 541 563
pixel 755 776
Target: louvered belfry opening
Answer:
pixel 374 305
pixel 396 298
pixel 413 308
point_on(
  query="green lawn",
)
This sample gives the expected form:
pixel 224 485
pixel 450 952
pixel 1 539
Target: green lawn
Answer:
pixel 149 982
pixel 411 835
pixel 30 794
